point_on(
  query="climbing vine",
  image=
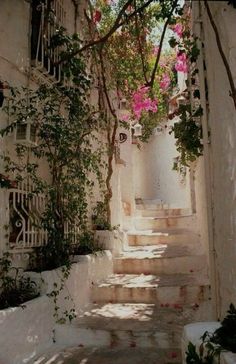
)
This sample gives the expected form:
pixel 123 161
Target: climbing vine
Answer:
pixel 187 130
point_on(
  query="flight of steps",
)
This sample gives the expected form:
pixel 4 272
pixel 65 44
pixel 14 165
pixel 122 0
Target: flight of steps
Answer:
pixel 159 284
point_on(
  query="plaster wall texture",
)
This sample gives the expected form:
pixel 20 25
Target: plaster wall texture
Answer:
pixel 154 177
pixel 116 204
pixel 24 333
pixel 222 123
pixel 127 172
pixel 201 203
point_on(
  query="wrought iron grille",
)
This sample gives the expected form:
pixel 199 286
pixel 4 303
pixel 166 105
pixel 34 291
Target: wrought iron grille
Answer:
pixel 26 209
pixel 47 16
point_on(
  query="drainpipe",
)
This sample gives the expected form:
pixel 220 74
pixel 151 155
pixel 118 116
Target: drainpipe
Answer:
pixel 199 32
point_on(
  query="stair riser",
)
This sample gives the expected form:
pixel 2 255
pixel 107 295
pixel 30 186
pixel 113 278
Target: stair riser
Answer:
pixel 153 266
pixel 165 223
pixel 161 295
pixel 141 240
pixel 162 213
pixel 74 336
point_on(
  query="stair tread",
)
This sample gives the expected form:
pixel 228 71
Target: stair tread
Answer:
pixel 132 355
pixel 137 317
pixel 160 232
pixel 174 217
pixel 159 251
pixel 153 281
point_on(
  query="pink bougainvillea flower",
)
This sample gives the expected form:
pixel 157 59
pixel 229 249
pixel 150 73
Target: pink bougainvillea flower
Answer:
pixel 143 103
pixel 182 57
pixel 178 29
pixel 165 82
pixel 173 355
pixel 181 64
pixel 97 16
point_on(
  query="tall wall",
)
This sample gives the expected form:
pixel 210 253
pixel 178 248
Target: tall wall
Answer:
pixel 154 174
pixel 220 159
pixel 16 70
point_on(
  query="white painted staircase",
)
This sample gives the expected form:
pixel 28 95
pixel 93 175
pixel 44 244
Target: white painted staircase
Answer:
pixel 160 283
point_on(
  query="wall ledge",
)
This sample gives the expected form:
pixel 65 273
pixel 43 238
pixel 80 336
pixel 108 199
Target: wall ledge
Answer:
pixel 26 333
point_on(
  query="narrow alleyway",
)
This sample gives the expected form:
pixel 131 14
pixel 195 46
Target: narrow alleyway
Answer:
pixel 160 283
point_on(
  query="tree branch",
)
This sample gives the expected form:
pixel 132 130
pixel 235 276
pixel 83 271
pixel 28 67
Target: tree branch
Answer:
pixel 117 24
pixel 111 139
pixel 152 79
pixel 220 48
pixel 140 47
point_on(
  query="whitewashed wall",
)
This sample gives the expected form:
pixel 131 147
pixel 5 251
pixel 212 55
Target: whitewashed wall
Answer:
pixel 127 180
pixel 222 124
pixel 154 177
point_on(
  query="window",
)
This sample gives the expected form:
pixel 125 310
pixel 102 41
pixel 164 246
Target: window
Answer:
pixel 47 16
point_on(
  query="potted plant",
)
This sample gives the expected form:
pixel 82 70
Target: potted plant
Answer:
pixel 109 237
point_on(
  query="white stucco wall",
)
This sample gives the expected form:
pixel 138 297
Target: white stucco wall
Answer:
pixel 127 172
pixel 25 333
pixel 154 175
pixel 201 203
pixel 222 124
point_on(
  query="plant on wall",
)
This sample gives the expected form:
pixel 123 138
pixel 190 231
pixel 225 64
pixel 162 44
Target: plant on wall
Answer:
pixel 66 128
pixel 223 339
pixel 187 130
pixel 188 134
pixel 15 289
pixel 126 53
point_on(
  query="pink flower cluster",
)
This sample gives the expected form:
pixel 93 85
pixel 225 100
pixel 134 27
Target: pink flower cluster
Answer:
pixel 181 64
pixel 141 102
pixel 165 82
pixel 178 29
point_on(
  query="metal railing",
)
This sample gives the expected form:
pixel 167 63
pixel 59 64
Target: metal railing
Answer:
pixel 26 209
pixel 47 57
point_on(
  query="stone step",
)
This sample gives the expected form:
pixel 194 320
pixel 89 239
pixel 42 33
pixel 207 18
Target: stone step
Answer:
pixel 154 212
pixel 96 355
pixel 151 237
pixel 129 325
pixel 161 290
pixel 174 222
pixel 160 261
pixel 161 251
